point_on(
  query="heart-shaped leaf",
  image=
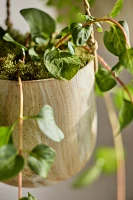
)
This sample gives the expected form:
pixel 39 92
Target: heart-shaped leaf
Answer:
pixel 7 37
pixel 104 79
pixel 5 133
pixel 41 24
pixel 126 114
pixel 71 48
pixel 47 124
pixel 10 163
pixel 41 159
pixel 61 65
pixel 80 33
pixel 114 40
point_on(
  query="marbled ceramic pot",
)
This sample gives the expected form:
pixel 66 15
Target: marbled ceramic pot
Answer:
pixel 74 107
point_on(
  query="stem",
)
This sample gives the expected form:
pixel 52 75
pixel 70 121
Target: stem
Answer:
pixel 7 22
pixel 112 21
pixel 92 39
pixel 20 135
pixel 121 177
pixel 65 38
pixel 102 61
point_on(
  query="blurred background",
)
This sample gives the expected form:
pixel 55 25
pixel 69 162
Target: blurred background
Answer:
pixel 105 187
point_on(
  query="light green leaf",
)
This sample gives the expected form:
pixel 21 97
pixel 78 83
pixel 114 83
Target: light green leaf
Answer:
pixel 61 65
pixel 99 27
pixel 89 176
pixel 117 69
pixel 71 48
pixel 125 114
pixel 108 156
pixel 34 56
pixel 117 8
pixel 118 98
pixel 41 160
pixel 41 40
pixel 126 60
pixel 47 124
pixel 114 40
pixel 80 33
pixel 130 89
pixel 7 37
pixel 10 163
pixel 41 24
pixel 104 79
pixel 5 133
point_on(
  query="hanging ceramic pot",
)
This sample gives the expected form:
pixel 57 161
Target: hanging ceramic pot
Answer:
pixel 73 103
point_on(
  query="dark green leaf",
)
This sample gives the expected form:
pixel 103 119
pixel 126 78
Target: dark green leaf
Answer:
pixel 63 32
pixel 71 48
pixel 10 163
pixel 2 32
pixel 114 40
pixel 89 176
pixel 41 160
pixel 126 60
pixel 80 33
pixel 34 56
pixel 104 80
pixel 117 69
pixel 5 133
pixel 7 37
pixel 108 156
pixel 47 124
pixel 116 9
pixel 124 24
pixel 61 65
pixel 126 114
pixel 41 24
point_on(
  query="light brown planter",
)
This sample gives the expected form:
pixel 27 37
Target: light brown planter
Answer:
pixel 74 106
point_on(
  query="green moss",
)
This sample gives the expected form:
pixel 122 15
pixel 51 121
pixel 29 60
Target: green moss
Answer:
pixel 10 65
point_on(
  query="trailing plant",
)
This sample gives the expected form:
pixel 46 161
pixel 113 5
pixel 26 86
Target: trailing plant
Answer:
pixel 43 54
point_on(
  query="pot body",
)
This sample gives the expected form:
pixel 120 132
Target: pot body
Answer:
pixel 73 103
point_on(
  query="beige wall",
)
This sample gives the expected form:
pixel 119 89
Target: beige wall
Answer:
pixel 105 187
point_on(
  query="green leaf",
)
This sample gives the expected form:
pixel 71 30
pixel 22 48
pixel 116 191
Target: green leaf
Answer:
pixel 33 55
pixel 10 163
pixel 63 32
pixel 47 124
pixel 117 69
pixel 89 176
pixel 80 33
pixel 126 60
pixel 41 160
pixel 116 9
pixel 114 40
pixel 130 89
pixel 99 27
pixel 5 133
pixel 41 40
pixel 108 156
pixel 124 24
pixel 126 114
pixel 30 197
pixel 118 98
pixel 7 37
pixel 104 79
pixel 41 24
pixel 71 48
pixel 61 65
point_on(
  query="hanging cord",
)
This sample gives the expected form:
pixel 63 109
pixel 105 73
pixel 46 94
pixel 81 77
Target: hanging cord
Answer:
pixel 92 42
pixel 7 21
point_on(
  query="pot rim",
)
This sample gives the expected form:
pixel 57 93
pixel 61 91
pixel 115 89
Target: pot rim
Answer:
pixel 48 79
